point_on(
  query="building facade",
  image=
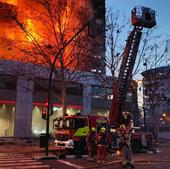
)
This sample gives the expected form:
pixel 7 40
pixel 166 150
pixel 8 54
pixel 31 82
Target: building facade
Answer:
pixel 23 98
pixel 157 96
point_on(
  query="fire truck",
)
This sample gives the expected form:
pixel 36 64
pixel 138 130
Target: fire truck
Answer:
pixel 141 17
pixel 71 131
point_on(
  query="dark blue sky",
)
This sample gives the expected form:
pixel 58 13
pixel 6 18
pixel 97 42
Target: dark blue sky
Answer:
pixel 162 8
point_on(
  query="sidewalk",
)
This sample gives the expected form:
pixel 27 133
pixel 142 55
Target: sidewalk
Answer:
pixel 25 146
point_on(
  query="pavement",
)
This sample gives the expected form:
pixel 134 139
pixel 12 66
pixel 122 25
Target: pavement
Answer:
pixel 31 147
pixel 25 146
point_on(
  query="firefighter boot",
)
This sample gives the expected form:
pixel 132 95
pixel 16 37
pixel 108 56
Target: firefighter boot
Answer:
pixel 131 165
pixel 98 161
pixel 124 165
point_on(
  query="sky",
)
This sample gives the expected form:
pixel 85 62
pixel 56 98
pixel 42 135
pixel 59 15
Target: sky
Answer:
pixel 161 7
pixel 162 10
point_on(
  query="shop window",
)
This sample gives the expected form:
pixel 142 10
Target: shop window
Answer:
pixel 7 112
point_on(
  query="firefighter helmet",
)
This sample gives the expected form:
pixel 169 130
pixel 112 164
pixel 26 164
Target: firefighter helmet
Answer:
pixel 93 129
pixel 122 126
pixel 102 129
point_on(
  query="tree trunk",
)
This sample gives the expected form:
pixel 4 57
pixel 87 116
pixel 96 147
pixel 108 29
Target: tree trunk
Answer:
pixel 155 127
pixel 63 91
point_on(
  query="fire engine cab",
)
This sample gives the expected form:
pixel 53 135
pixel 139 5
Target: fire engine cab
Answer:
pixel 71 131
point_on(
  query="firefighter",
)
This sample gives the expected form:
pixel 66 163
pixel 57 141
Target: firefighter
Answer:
pixel 101 140
pixel 124 133
pixel 90 139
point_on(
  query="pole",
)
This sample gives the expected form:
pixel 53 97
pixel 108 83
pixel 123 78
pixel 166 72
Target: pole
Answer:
pixel 144 93
pixel 144 116
pixel 50 81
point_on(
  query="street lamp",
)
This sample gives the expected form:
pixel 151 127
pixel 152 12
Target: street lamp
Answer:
pixel 144 109
pixel 50 80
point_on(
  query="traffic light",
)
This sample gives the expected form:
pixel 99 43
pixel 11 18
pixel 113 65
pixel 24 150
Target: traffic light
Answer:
pixel 44 114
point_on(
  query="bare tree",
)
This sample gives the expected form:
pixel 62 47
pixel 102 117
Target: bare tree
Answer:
pixel 156 94
pixel 152 53
pixel 45 27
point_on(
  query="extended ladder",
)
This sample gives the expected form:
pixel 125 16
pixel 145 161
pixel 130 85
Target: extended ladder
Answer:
pixel 125 75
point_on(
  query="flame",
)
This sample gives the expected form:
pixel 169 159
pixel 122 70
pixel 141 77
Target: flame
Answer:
pixel 118 152
pixel 64 20
pixel 31 28
pixel 12 2
pixel 40 30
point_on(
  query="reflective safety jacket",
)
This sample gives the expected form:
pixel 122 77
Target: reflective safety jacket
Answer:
pixel 125 136
pixel 101 138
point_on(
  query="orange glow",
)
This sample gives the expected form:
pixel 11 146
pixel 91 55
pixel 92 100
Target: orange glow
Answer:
pixel 118 152
pixel 35 19
pixel 31 28
pixel 64 20
pixel 12 2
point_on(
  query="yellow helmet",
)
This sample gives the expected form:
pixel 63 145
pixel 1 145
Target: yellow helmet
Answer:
pixel 103 129
pixel 93 129
pixel 122 126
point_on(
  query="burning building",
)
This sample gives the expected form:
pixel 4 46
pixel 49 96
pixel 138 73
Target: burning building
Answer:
pixel 34 31
pixel 32 34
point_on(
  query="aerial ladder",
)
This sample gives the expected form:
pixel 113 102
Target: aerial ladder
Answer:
pixel 141 17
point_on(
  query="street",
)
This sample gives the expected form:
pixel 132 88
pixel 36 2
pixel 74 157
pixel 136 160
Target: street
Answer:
pixel 147 161
pixel 25 156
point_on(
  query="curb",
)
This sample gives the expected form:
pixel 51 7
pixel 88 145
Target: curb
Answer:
pixel 42 157
pixel 102 165
pixel 75 156
pixel 52 157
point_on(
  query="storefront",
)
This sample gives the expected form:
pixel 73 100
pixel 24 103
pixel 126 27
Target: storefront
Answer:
pixel 7 112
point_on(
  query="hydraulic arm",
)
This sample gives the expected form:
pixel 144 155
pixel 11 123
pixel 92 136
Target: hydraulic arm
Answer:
pixel 125 75
pixel 141 17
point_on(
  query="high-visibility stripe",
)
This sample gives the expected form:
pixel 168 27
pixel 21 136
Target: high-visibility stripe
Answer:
pixel 82 131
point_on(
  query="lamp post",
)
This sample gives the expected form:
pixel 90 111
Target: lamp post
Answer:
pixel 50 81
pixel 144 109
pixel 144 112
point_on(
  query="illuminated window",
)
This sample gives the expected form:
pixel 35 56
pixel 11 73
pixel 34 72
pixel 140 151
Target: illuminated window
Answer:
pixel 7 112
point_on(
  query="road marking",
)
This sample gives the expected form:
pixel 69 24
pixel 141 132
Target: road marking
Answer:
pixel 16 161
pixel 71 164
pixel 20 164
pixel 29 167
pixel 76 156
pixel 20 161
